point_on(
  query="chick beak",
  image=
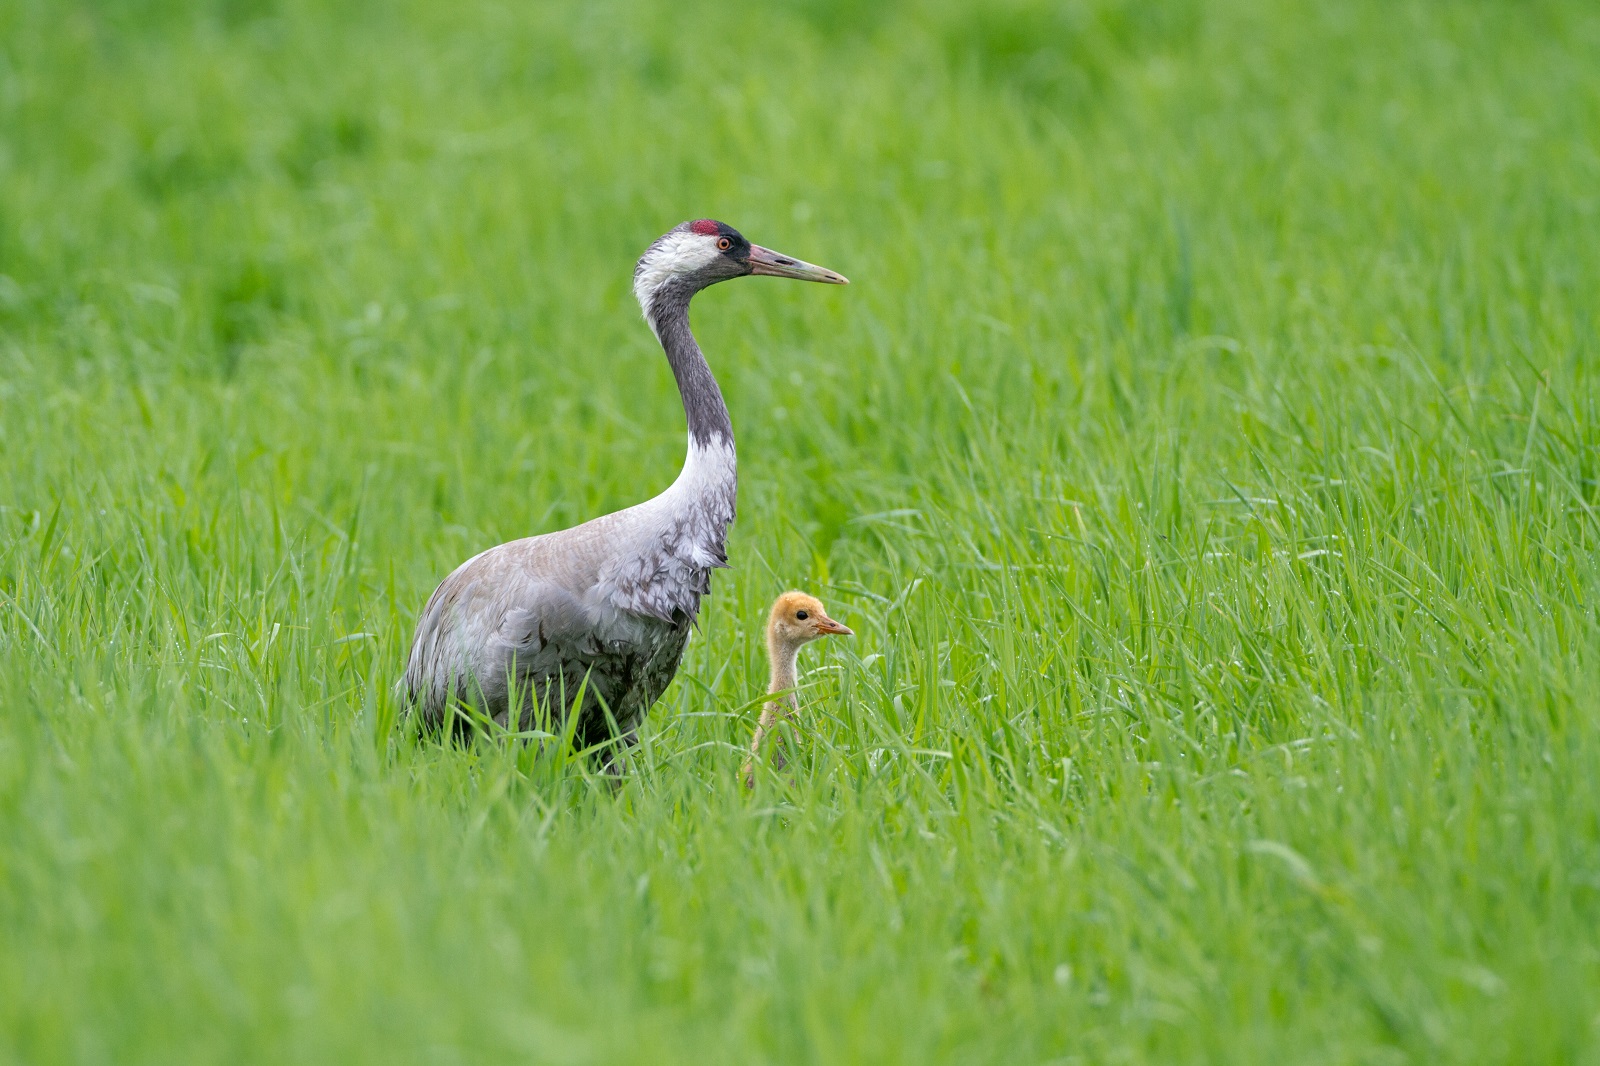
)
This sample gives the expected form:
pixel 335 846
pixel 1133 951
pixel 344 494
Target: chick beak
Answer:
pixel 827 627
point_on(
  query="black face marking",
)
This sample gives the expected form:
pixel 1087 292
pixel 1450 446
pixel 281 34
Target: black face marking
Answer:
pixel 802 615
pixel 738 248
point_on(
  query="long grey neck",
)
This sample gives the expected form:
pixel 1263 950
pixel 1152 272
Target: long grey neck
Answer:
pixel 703 406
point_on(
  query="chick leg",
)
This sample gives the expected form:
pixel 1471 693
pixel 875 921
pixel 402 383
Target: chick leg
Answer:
pixel 769 719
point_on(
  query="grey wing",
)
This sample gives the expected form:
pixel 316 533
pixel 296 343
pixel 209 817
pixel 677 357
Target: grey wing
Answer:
pixel 494 619
pixel 541 615
pixel 548 646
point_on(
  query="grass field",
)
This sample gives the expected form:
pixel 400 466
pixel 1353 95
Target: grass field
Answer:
pixel 1207 455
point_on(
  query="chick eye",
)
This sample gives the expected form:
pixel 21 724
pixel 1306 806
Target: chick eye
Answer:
pixel 802 615
pixel 724 243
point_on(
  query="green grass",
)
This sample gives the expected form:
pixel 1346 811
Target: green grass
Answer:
pixel 1207 455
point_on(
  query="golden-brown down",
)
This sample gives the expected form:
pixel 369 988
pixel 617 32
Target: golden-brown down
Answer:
pixel 796 620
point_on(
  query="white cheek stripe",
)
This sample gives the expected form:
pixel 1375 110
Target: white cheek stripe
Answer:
pixel 674 254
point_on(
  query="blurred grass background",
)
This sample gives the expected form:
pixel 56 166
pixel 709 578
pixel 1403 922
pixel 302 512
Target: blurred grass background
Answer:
pixel 1206 454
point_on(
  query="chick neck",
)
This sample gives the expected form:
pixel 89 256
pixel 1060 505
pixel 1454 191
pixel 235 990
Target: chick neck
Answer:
pixel 784 656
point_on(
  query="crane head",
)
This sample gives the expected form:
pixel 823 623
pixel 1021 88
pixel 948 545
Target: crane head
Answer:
pixel 799 619
pixel 694 255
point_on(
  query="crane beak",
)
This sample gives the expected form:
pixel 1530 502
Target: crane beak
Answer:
pixel 827 627
pixel 766 261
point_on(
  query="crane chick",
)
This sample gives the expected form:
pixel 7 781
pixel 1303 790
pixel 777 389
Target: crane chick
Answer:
pixel 796 620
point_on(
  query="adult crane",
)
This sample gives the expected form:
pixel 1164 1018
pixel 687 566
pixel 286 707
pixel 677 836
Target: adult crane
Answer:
pixel 603 609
